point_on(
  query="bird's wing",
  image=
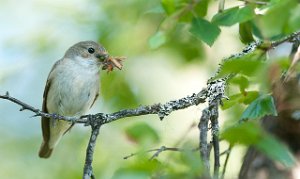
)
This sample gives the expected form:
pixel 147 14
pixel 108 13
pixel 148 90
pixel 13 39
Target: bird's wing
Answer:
pixel 96 96
pixel 46 121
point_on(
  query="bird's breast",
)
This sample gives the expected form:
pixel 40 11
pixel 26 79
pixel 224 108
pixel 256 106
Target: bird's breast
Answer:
pixel 72 91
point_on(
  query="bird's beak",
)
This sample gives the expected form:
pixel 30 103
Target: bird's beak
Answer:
pixel 102 56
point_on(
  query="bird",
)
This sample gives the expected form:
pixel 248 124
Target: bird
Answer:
pixel 71 89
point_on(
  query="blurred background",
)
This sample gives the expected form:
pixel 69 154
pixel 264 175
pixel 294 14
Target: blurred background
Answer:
pixel 36 33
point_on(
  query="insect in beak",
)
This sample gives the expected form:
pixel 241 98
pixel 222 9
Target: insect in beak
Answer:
pixel 112 62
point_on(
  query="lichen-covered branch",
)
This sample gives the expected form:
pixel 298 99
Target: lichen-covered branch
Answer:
pixel 257 45
pixel 88 169
pixel 161 110
pixel 97 120
pixel 215 93
pixel 214 111
pixel 203 145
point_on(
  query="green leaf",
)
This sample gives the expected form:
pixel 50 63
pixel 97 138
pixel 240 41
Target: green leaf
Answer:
pixel 276 150
pixel 226 18
pixel 233 100
pixel 192 162
pixel 245 31
pixel 275 21
pixel 158 39
pixel 251 133
pixel 186 17
pixel 201 8
pixel 246 65
pixel 245 14
pixel 130 174
pixel 251 96
pixel 240 80
pixel 156 10
pixel 204 30
pixel 294 21
pixel 234 15
pixel 142 133
pixel 246 133
pixel 262 106
pixel 184 45
pixel 169 6
pixel 241 98
pixel 140 168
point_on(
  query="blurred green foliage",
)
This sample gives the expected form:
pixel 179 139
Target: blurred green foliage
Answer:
pixel 234 15
pixel 251 134
pixel 143 134
pixel 205 30
pixel 247 65
pixel 241 98
pixel 262 106
pixel 137 28
pixel 271 26
pixel 117 92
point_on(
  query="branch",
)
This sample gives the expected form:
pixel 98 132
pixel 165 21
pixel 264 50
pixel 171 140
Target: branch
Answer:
pixel 215 93
pixel 215 135
pixel 255 2
pixel 97 120
pixel 221 6
pixel 161 110
pixel 38 112
pixel 294 37
pixel 203 127
pixel 88 169
pixel 157 152
pixel 257 45
pixel 227 152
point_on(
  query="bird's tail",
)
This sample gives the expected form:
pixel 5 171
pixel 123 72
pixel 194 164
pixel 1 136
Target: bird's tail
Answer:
pixel 45 151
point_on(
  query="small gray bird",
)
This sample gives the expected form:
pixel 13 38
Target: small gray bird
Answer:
pixel 71 89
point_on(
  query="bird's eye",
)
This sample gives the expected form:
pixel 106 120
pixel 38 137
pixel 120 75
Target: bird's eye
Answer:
pixel 91 50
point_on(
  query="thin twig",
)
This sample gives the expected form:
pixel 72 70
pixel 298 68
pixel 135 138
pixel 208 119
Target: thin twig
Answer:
pixel 157 152
pixel 221 5
pixel 210 145
pixel 255 2
pixel 163 148
pixel 190 6
pixel 227 152
pixel 290 38
pixel 25 106
pixel 181 139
